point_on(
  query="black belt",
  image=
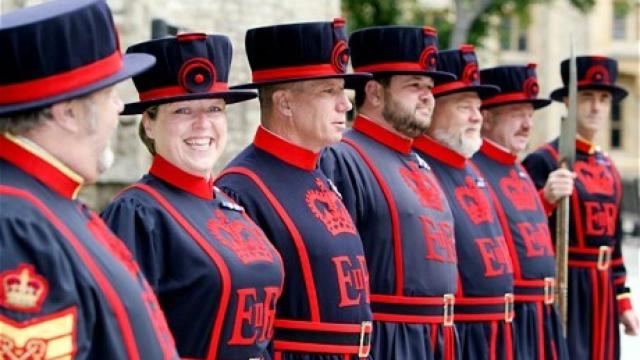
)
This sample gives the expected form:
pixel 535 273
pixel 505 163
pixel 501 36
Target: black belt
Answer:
pixel 322 337
pixel 413 309
pixel 527 290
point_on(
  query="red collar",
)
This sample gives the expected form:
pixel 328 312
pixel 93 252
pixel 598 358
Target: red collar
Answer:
pixel 194 185
pixel 384 136
pixel 585 146
pixel 497 153
pixel 41 165
pixel 429 146
pixel 288 152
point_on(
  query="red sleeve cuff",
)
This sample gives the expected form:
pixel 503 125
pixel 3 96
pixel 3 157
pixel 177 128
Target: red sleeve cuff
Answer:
pixel 624 304
pixel 548 207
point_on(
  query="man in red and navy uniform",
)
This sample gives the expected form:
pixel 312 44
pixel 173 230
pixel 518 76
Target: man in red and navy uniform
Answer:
pixel 484 299
pixel 216 275
pixel 68 287
pixel 598 299
pixel 300 71
pixel 395 200
pixel 506 127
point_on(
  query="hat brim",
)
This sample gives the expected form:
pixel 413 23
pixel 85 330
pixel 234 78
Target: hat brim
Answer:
pixel 483 91
pixel 617 93
pixel 229 97
pixel 133 64
pixel 537 103
pixel 351 81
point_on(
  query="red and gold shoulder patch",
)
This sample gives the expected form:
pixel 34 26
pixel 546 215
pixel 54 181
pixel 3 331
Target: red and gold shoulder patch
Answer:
pixel 53 336
pixel 22 289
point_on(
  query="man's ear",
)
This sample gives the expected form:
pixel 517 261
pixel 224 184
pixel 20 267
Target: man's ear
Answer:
pixel 374 93
pixel 146 124
pixel 487 120
pixel 67 115
pixel 282 102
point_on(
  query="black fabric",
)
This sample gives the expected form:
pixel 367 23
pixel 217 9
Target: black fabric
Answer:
pixel 514 80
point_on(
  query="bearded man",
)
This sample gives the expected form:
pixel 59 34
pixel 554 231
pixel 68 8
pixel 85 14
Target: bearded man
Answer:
pixel 400 211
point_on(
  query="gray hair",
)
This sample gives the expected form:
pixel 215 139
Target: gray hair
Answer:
pixel 22 123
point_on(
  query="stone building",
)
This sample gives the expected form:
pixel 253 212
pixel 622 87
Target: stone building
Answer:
pixel 232 18
pixel 543 40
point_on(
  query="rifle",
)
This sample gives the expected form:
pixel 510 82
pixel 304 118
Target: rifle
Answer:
pixel 567 150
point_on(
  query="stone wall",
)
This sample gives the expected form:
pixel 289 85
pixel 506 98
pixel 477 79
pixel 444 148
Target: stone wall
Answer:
pixel 231 18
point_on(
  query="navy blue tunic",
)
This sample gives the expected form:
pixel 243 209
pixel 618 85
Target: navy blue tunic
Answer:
pixel 325 299
pixel 68 288
pixel 216 275
pixel 484 307
pixel 596 269
pixel 524 221
pixel 406 227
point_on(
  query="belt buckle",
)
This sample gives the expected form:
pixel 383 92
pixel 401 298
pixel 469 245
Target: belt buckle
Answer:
pixel 549 290
pixel 364 346
pixel 604 257
pixel 508 307
pixel 449 301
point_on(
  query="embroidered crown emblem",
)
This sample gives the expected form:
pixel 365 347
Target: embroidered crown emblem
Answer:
pixel 424 186
pixel 326 207
pixel 595 177
pixel 23 289
pixel 474 202
pixel 244 238
pixel 518 191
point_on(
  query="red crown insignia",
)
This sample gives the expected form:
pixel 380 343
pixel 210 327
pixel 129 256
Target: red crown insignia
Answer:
pixel 326 207
pixel 474 202
pixel 424 186
pixel 518 191
pixel 429 58
pixel 22 289
pixel 595 177
pixel 244 238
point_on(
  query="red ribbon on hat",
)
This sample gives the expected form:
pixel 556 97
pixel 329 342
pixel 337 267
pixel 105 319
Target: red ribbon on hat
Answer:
pixel 61 83
pixel 171 91
pixel 294 72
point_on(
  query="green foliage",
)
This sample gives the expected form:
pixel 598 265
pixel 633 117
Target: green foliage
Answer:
pixel 365 13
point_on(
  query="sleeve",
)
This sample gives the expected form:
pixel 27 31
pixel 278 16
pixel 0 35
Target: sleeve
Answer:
pixel 44 298
pixel 539 165
pixel 139 226
pixel 347 176
pixel 623 293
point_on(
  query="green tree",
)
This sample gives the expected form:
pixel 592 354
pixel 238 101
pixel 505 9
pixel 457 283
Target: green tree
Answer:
pixel 467 22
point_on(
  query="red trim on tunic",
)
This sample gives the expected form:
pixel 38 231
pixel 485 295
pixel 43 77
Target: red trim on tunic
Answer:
pixel 109 292
pixel 493 340
pixel 284 150
pixel 540 330
pixel 386 137
pixel 62 82
pixel 303 255
pixel 211 253
pixel 39 168
pixel 192 184
pixel 495 152
pixel 439 151
pixel 393 212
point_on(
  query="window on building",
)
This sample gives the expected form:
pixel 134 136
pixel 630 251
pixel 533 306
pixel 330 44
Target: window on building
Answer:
pixel 619 27
pixel 513 34
pixel 616 126
pixel 620 10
